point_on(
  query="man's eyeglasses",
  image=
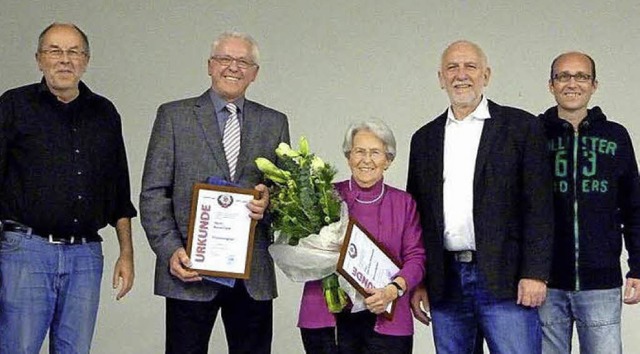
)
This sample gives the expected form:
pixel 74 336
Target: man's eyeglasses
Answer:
pixel 374 154
pixel 566 77
pixel 226 60
pixel 57 53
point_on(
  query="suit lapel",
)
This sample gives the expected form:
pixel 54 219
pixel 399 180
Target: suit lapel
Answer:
pixel 436 145
pixel 206 117
pixel 489 135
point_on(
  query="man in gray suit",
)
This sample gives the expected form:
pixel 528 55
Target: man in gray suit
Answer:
pixel 187 146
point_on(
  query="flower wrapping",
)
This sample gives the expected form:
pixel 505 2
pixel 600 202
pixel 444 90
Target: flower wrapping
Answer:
pixel 315 256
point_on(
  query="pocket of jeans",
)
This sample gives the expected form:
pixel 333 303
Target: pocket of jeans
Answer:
pixel 9 244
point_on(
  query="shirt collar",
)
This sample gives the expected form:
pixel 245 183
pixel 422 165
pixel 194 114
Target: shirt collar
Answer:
pixel 481 112
pixel 84 91
pixel 220 104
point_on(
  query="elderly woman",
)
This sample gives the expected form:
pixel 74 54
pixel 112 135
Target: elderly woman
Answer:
pixel 389 214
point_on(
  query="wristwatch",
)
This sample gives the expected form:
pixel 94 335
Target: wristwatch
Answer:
pixel 400 291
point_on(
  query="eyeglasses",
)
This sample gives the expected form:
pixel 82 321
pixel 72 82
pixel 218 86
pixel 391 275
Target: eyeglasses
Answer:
pixel 566 77
pixel 374 154
pixel 57 53
pixel 226 60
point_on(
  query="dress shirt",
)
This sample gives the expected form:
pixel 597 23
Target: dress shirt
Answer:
pixel 461 142
pixel 394 222
pixel 222 113
pixel 63 166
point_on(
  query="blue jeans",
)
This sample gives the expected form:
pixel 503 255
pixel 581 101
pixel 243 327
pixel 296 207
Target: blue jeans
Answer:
pixel 47 287
pixel 596 314
pixel 508 328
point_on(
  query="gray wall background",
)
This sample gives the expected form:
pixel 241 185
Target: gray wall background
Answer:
pixel 325 64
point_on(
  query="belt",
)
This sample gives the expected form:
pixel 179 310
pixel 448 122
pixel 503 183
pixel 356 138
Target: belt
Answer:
pixel 13 226
pixel 464 256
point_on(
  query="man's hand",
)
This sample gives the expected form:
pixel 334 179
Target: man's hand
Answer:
pixel 531 292
pixel 632 291
pixel 420 304
pixel 123 275
pixel 179 264
pixel 257 207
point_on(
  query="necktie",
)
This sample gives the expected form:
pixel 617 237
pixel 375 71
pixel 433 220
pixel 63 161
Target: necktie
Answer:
pixel 231 139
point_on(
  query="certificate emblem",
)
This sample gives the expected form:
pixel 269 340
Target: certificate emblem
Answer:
pixel 225 200
pixel 353 251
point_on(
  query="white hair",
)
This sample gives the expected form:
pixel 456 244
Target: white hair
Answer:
pixel 378 128
pixel 255 52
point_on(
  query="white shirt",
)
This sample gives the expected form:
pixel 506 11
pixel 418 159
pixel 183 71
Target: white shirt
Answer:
pixel 461 142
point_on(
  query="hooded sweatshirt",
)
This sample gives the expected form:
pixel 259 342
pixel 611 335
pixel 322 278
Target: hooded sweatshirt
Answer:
pixel 596 201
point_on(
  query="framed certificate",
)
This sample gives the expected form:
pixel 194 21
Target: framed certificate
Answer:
pixel 220 239
pixel 364 262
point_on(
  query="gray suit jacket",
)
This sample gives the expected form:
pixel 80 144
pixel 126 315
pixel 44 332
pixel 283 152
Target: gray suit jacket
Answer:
pixel 186 148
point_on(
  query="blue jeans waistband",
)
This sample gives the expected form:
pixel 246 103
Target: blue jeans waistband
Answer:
pixel 19 228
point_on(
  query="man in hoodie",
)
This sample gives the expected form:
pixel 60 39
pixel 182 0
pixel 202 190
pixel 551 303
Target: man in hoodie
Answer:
pixel 597 203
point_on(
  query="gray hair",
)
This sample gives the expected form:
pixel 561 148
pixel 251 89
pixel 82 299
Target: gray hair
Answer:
pixel 378 128
pixel 255 52
pixel 84 37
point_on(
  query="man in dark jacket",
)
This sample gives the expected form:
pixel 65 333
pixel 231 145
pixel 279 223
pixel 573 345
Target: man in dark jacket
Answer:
pixel 597 202
pixel 482 183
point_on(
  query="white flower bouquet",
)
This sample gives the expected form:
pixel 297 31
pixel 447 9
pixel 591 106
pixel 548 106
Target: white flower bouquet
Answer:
pixel 309 219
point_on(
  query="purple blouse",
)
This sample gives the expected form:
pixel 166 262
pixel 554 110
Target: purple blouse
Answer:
pixel 393 221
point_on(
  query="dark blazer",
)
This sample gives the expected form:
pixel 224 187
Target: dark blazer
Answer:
pixel 186 148
pixel 512 200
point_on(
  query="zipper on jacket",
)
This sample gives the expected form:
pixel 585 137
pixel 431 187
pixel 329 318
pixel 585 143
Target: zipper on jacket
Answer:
pixel 576 240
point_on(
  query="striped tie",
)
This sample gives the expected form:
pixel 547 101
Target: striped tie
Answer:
pixel 231 139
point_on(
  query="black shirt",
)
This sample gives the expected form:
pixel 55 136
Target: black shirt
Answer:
pixel 63 166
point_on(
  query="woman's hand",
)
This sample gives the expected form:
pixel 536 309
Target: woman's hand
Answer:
pixel 379 299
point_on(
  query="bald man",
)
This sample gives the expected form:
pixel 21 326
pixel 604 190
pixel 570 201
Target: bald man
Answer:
pixel 480 177
pixel 597 205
